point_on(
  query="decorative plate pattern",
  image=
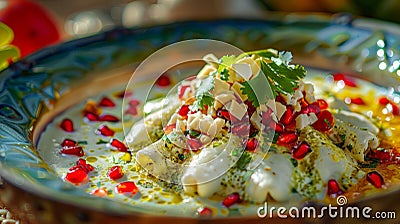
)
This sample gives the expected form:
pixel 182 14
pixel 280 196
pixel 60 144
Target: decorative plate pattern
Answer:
pixel 31 86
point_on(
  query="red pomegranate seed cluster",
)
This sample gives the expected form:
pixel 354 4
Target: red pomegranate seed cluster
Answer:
pixel 385 155
pixel 78 174
pixel 183 111
pixel 92 111
pixel 71 147
pixel 106 102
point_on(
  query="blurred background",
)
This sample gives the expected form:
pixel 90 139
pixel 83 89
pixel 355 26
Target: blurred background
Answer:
pixel 38 23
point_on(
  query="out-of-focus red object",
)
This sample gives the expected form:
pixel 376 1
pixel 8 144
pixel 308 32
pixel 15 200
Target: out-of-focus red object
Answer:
pixel 32 25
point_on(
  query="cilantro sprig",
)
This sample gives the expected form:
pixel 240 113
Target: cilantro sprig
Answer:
pixel 281 77
pixel 203 94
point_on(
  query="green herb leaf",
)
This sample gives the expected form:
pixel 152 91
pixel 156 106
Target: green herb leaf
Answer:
pixel 101 141
pixel 281 77
pixel 256 91
pixel 203 94
pixel 194 133
pixel 82 142
pixel 225 75
pixel 268 53
pixel 294 162
pixel 225 62
pixel 244 160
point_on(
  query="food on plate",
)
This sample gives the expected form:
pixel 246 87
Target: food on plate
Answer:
pixel 250 125
pixel 244 130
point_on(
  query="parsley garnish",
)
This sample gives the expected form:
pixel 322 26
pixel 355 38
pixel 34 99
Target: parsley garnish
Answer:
pixel 281 77
pixel 82 142
pixel 244 159
pixel 225 74
pixel 225 62
pixel 203 94
pixel 101 141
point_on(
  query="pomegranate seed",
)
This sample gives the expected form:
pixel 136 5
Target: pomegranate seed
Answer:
pixel 347 80
pixel 333 188
pixel 204 110
pixel 266 117
pixel 169 128
pixel 194 144
pixel 100 192
pixel 106 102
pixel 375 179
pixel 286 138
pixel 253 130
pixel 105 131
pixel 182 90
pixel 109 118
pixel 134 102
pixel 385 156
pixel 132 111
pixel 325 121
pixel 250 107
pixel 280 99
pixel 205 212
pixel 395 109
pixel 300 151
pixel 68 142
pixel 67 125
pixel 163 81
pixel 231 200
pixel 123 94
pixel 82 163
pixel 383 101
pixel 251 144
pixel 357 101
pixel 183 111
pixel 115 173
pixel 287 116
pixel 291 126
pixel 91 116
pixel 311 108
pixel 278 127
pixel 126 187
pixel 75 150
pixel 322 104
pixel 241 130
pixel 224 114
pixel 119 145
pixel 76 176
